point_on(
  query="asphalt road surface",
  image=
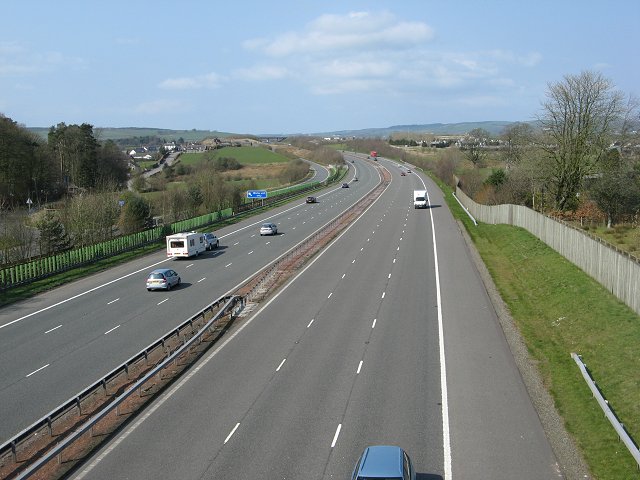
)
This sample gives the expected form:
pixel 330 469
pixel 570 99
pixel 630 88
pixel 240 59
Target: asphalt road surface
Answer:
pixel 55 344
pixel 388 336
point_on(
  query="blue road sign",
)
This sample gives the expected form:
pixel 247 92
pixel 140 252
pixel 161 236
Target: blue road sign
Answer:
pixel 256 194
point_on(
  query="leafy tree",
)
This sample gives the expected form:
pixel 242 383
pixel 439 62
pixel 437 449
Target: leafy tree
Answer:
pixel 578 120
pixel 497 178
pixel 134 213
pixel 112 171
pixel 26 167
pixel 76 150
pixel 616 192
pixel 53 237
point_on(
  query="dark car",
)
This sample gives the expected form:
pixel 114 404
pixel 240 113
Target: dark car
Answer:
pixel 345 185
pixel 162 279
pixel 311 200
pixel 402 174
pixel 384 461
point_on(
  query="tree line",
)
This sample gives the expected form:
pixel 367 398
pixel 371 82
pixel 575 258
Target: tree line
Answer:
pixel 580 157
pixel 42 171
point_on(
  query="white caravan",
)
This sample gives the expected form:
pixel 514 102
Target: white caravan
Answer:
pixel 184 245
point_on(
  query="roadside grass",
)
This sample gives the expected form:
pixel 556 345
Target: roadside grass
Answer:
pixel 559 309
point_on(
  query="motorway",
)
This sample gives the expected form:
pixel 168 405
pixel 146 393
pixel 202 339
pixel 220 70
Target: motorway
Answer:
pixel 387 336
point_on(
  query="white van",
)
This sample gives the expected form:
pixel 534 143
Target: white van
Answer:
pixel 419 199
pixel 184 245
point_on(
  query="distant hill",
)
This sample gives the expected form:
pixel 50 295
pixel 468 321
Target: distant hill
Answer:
pixel 493 127
pixel 131 132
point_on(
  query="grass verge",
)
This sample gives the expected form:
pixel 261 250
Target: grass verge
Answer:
pixel 559 309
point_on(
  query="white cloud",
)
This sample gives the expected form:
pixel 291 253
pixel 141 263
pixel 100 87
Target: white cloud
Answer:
pixel 17 60
pixel 209 80
pixel 361 52
pixel 335 34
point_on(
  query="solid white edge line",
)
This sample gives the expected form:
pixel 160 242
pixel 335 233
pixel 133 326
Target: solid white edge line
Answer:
pixel 446 436
pixel 81 294
pixel 337 434
pixel 232 432
pixel 209 357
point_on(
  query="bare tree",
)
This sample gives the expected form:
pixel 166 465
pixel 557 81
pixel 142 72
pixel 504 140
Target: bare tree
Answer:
pixel 517 138
pixel 578 121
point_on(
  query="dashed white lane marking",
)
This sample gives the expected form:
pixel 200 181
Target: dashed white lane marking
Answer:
pixel 250 252
pixel 330 295
pixel 236 244
pixel 111 330
pixel 344 275
pixel 281 363
pixel 228 265
pixel 383 294
pixel 335 437
pixel 267 243
pixel 113 301
pixel 36 371
pixel 202 279
pixel 232 432
pixel 52 329
pixel 310 322
pixel 190 265
pixel 359 367
pixel 160 303
pixel 373 325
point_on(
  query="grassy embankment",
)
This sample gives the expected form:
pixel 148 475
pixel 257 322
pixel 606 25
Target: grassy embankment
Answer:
pixel 559 309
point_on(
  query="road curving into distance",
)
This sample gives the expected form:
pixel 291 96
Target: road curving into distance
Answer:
pixel 387 336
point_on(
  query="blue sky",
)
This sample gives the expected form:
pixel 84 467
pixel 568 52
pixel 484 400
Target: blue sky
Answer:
pixel 303 66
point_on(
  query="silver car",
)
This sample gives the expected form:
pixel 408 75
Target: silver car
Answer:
pixel 162 279
pixel 268 229
pixel 211 241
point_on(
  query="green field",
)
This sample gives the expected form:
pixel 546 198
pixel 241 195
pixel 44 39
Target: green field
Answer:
pixel 244 155
pixel 559 310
